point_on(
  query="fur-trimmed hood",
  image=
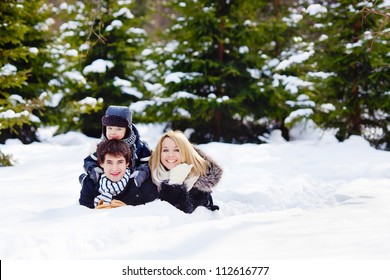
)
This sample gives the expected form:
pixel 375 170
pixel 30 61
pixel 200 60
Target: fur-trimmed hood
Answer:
pixel 214 174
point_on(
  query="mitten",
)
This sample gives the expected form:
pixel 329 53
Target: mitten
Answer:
pixel 179 173
pixel 114 204
pixel 104 198
pixel 117 203
pixel 102 205
pixel 139 177
pixel 95 173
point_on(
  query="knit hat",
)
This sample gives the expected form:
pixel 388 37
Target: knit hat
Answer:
pixel 117 116
pixel 113 120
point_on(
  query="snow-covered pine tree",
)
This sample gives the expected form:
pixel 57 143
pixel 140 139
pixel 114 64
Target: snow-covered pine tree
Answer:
pixel 23 77
pixel 351 51
pixel 21 87
pixel 68 50
pixel 108 38
pixel 207 74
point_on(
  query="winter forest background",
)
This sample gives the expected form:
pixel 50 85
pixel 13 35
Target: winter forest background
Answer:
pixel 230 70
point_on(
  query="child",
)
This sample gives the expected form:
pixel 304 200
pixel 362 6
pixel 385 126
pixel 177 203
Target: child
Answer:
pixel 184 175
pixel 117 124
pixel 114 186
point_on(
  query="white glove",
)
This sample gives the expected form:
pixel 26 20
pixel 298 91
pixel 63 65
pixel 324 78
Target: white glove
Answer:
pixel 179 173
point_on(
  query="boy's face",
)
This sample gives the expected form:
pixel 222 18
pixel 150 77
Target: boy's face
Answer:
pixel 115 132
pixel 114 167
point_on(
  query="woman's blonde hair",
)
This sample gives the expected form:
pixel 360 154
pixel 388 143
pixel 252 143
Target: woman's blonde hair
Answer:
pixel 188 154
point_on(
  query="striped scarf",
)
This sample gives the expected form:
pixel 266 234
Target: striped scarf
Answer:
pixel 108 188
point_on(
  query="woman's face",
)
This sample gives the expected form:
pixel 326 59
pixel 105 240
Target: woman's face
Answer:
pixel 115 132
pixel 170 155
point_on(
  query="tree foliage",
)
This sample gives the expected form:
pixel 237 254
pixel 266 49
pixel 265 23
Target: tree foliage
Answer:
pixel 17 78
pixel 207 73
pixel 229 70
pixel 350 48
pixel 20 79
pixel 107 37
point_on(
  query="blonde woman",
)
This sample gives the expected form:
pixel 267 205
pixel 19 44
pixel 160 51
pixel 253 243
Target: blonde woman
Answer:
pixel 184 175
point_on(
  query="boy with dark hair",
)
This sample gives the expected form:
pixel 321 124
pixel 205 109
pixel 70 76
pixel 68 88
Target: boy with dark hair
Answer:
pixel 115 187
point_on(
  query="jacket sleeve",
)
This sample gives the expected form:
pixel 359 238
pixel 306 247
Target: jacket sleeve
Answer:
pixel 143 152
pixel 144 168
pixel 142 148
pixel 176 195
pixel 213 176
pixel 90 162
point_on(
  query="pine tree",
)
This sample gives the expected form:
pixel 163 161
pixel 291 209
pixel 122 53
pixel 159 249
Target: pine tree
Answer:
pixel 108 39
pixel 22 79
pixel 208 73
pixel 352 51
pixel 20 97
pixel 68 51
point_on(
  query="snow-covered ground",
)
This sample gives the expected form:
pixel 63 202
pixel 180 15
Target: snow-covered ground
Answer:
pixel 308 199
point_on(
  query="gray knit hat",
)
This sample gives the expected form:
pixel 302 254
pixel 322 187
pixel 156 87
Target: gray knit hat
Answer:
pixel 117 116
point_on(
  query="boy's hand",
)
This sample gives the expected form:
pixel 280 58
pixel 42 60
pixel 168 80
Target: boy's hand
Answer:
pixel 95 173
pixel 178 174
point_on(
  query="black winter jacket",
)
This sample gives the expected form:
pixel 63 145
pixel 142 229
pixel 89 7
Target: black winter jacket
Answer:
pixel 199 194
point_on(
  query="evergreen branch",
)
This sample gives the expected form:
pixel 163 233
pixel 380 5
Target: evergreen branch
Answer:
pixel 367 11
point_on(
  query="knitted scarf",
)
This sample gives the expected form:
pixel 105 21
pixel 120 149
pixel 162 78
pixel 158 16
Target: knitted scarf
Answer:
pixel 160 174
pixel 108 188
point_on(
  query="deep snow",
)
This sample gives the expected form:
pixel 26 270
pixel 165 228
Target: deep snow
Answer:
pixel 314 198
